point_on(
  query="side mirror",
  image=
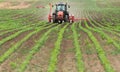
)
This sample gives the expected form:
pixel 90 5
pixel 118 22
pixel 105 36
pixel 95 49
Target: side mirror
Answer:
pixel 68 6
pixel 52 5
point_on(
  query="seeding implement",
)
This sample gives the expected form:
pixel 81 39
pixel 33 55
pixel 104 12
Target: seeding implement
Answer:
pixel 61 14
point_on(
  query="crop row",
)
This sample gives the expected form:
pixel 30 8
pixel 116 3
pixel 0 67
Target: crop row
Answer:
pixel 23 27
pixel 16 34
pixel 80 63
pixel 35 49
pixel 111 30
pixel 100 31
pixel 19 17
pixel 108 19
pixel 56 51
pixel 101 54
pixel 15 47
pixel 109 39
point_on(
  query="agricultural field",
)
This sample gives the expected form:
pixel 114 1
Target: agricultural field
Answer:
pixel 28 43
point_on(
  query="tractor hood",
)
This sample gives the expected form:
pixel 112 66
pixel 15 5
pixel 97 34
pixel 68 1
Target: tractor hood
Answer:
pixel 60 13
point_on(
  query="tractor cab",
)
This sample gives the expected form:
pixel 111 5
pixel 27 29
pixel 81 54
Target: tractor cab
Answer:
pixel 61 14
pixel 61 7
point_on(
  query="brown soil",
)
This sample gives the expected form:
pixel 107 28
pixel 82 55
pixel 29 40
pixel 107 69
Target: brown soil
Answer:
pixel 90 57
pixel 109 49
pixel 9 5
pixel 66 59
pixel 115 61
pixel 40 6
pixel 40 60
pixel 115 3
pixel 5 4
pixel 0 38
pixel 20 54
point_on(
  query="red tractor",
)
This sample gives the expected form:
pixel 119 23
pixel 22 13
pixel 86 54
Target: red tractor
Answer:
pixel 60 14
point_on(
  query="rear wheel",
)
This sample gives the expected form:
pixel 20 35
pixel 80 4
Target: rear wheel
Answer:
pixel 54 19
pixel 66 18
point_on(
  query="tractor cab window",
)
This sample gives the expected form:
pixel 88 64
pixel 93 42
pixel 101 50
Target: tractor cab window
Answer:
pixel 60 8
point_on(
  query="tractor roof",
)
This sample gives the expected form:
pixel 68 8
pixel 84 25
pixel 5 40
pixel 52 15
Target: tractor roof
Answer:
pixel 60 3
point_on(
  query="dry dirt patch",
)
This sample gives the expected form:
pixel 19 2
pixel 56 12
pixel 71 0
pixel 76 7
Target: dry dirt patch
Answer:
pixel 9 5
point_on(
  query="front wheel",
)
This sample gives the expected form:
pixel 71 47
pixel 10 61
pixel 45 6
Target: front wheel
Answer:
pixel 59 21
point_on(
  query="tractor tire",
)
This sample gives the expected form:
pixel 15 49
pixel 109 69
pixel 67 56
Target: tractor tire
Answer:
pixel 60 22
pixel 54 19
pixel 66 18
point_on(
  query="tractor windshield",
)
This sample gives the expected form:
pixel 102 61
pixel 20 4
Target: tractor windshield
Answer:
pixel 60 8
